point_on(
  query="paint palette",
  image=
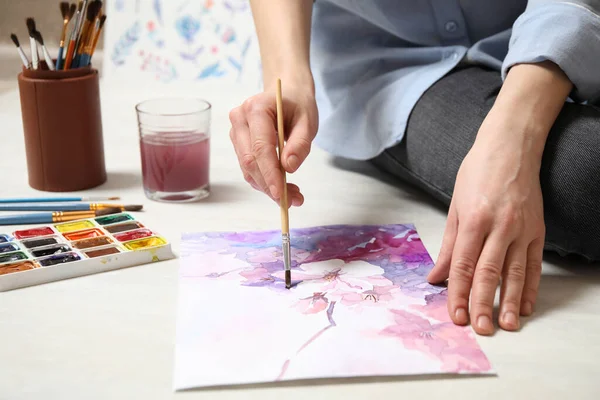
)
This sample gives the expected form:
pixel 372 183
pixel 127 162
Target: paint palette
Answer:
pixel 66 250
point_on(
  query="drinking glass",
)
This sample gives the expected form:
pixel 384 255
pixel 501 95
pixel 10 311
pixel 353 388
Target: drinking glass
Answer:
pixel 175 148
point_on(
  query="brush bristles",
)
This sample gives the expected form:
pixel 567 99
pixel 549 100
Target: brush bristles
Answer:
pixel 93 10
pixel 31 26
pixel 107 211
pixel 64 9
pixel 72 10
pixel 288 279
pixel 38 37
pixel 133 208
pixel 15 39
pixel 102 21
pixel 80 6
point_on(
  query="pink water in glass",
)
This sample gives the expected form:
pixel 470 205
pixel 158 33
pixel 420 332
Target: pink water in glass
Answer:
pixel 174 163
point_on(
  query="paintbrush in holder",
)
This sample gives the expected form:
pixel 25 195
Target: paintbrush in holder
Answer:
pixel 60 103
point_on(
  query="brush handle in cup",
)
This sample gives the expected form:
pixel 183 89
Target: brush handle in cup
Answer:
pixel 59 60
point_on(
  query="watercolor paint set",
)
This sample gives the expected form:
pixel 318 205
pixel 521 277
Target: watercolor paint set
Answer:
pixel 54 252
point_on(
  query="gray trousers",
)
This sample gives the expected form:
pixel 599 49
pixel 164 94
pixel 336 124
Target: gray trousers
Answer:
pixel 442 129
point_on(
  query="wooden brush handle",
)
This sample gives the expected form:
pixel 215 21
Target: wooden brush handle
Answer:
pixel 285 223
pixel 70 54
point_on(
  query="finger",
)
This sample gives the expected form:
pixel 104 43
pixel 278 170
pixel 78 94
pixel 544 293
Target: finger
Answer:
pixel 440 271
pixel 295 197
pixel 264 142
pixel 485 283
pixel 533 273
pixel 298 145
pixel 513 280
pixel 465 254
pixel 240 137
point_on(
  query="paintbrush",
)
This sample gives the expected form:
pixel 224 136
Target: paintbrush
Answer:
pixel 35 58
pixel 56 216
pixel 283 204
pixel 57 199
pixel 66 207
pixel 90 16
pixel 73 35
pixel 67 11
pixel 15 40
pixel 86 57
pixel 38 37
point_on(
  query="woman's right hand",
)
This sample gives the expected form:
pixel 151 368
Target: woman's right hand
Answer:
pixel 254 137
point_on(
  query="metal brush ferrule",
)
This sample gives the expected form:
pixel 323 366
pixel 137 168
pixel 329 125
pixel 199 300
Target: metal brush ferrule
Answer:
pixel 285 244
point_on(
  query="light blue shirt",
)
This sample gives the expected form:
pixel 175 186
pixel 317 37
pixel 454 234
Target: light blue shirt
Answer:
pixel 373 59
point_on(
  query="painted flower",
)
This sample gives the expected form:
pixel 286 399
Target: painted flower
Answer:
pixel 375 296
pixel 436 307
pixel 455 347
pixel 335 275
pixel 228 36
pixel 262 277
pixel 313 304
pixel 187 27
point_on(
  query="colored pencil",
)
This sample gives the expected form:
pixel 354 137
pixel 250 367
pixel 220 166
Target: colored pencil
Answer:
pixel 283 204
pixel 52 217
pixel 56 199
pixel 66 207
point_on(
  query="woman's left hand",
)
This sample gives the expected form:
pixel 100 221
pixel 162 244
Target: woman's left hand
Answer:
pixel 495 230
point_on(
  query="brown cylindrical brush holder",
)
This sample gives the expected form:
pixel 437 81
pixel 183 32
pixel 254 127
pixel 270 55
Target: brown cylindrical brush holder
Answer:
pixel 62 123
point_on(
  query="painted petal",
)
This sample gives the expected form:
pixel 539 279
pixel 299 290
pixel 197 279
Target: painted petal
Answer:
pixel 312 305
pixel 321 268
pixel 361 269
pixel 255 274
pixel 350 299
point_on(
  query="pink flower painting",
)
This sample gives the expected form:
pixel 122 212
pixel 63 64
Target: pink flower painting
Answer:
pixel 360 305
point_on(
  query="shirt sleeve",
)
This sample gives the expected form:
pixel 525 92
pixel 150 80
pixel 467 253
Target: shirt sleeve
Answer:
pixel 564 32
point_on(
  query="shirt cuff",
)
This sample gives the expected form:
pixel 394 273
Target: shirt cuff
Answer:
pixel 566 34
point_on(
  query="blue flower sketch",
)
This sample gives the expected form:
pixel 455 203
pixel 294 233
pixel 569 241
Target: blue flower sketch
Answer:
pixel 187 27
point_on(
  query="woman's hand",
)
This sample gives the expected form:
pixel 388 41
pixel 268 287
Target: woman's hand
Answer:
pixel 495 228
pixel 254 137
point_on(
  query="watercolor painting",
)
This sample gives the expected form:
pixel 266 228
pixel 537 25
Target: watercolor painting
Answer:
pixel 181 40
pixel 360 306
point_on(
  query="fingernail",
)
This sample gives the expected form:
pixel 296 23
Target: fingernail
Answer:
pixel 273 191
pixel 511 320
pixel 461 316
pixel 527 308
pixel 293 162
pixel 296 201
pixel 484 323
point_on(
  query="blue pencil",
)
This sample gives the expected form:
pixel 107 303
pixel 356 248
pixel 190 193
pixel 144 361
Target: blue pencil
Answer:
pixel 55 199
